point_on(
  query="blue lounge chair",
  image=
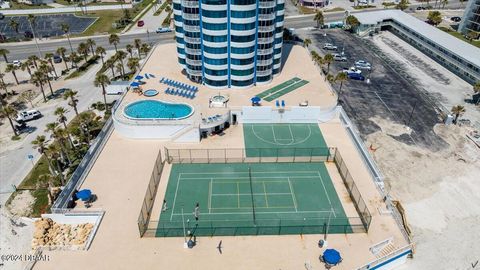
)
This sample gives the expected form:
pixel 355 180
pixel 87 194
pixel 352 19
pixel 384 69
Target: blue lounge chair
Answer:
pixel 151 75
pixel 283 103
pixel 277 103
pixel 192 96
pixel 146 76
pixel 167 91
pixel 188 95
pixel 161 80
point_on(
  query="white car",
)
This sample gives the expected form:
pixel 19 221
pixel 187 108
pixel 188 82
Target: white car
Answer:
pixel 339 57
pixel 352 70
pixel 28 115
pixel 163 30
pixel 362 64
pixel 329 46
pixel 17 63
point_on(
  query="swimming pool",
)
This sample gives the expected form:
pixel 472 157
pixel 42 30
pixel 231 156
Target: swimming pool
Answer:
pixel 154 109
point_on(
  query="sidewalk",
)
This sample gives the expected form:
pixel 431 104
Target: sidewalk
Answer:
pixel 62 9
pixel 152 23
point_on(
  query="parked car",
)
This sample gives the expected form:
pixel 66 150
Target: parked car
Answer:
pixel 362 64
pixel 356 76
pixel 163 30
pixel 455 19
pixel 339 57
pixel 17 63
pixel 57 58
pixel 28 115
pixel 421 8
pixel 28 34
pixel 329 46
pixel 140 23
pixel 352 70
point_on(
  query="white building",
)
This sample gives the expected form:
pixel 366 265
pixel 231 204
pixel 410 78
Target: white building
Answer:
pixel 458 56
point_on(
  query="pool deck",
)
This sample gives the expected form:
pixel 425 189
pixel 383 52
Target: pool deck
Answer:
pixel 298 64
pixel 122 171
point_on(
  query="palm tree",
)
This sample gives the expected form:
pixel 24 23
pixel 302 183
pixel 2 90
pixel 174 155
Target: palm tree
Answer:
pixel 40 143
pixel 60 113
pixel 457 110
pixel 45 71
pixel 75 59
pixel 144 49
pixel 402 5
pixel 3 84
pixel 101 51
pixel 133 64
pixel 120 56
pixel 307 42
pixel 38 79
pixel 26 66
pixel 61 51
pixel 328 59
pixel 444 3
pixel 70 94
pixel 119 68
pixel 341 78
pixel 34 59
pixel 49 58
pixel 435 17
pixel 66 28
pixel 53 152
pixel 91 43
pixel 11 68
pixel 129 49
pixel 83 50
pixel 352 21
pixel 102 80
pixel 4 53
pixel 114 39
pixel 28 96
pixel 476 90
pixel 111 64
pixel 10 112
pixel 319 19
pixel 31 20
pixel 330 78
pixel 58 134
pixel 14 25
pixel 137 43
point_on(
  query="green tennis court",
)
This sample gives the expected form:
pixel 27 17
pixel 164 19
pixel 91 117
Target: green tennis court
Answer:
pixel 251 199
pixel 284 140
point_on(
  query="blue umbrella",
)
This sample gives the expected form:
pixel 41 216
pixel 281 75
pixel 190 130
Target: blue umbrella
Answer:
pixel 84 194
pixel 134 84
pixel 255 99
pixel 138 77
pixel 331 256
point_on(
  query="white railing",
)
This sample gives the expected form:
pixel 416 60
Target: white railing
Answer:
pixel 268 28
pixel 266 17
pixel 264 72
pixel 191 16
pixel 189 3
pixel 193 51
pixel 192 40
pixel 408 249
pixel 264 51
pixel 191 28
pixel 194 72
pixel 266 4
pixel 265 62
pixel 266 40
pixel 193 62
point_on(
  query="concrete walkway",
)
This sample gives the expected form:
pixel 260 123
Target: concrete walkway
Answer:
pixel 62 10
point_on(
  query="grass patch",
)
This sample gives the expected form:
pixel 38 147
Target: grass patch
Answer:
pixel 162 7
pixel 15 137
pixel 168 19
pixel 17 5
pixel 40 205
pixel 83 68
pixel 388 4
pixel 103 24
pixel 364 7
pixel 458 35
pixel 40 168
pixel 337 9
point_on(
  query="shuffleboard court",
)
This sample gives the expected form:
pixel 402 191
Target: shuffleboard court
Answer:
pixel 282 140
pixel 251 199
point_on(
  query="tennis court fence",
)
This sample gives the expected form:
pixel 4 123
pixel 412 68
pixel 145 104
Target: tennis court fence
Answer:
pixel 352 188
pixel 258 227
pixel 149 199
pixel 249 155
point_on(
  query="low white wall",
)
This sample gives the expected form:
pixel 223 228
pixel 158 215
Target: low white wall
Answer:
pixel 72 219
pixel 153 131
pixel 310 114
pixel 192 135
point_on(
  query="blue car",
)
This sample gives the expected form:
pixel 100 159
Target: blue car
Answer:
pixel 356 76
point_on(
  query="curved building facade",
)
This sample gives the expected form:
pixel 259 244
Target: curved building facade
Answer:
pixel 229 43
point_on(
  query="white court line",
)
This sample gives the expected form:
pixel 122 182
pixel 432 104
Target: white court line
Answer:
pixel 247 172
pixel 248 194
pixel 265 193
pixel 245 213
pixel 210 196
pixel 238 195
pixel 253 178
pixel 174 199
pixel 279 144
pixel 293 194
pixel 326 193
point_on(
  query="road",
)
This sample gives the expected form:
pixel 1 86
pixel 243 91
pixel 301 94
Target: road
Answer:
pixel 62 9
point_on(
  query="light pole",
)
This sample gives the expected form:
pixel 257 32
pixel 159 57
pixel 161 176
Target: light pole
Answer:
pixel 34 37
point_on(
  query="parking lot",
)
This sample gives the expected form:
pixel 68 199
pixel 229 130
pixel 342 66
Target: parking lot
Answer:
pixel 45 25
pixel 391 94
